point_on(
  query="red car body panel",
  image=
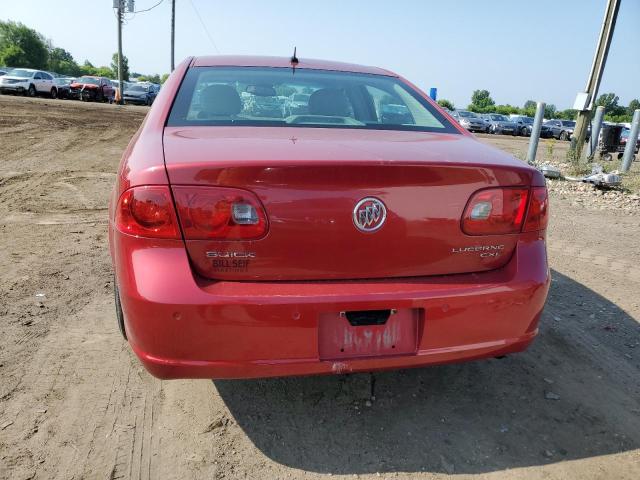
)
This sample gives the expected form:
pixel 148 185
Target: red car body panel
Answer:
pixel 395 167
pixel 282 317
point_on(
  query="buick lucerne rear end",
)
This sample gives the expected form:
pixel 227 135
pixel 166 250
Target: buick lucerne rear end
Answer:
pixel 365 230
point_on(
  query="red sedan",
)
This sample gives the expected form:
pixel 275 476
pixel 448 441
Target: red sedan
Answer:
pixel 362 230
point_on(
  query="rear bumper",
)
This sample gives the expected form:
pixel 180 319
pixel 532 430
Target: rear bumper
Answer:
pixel 185 327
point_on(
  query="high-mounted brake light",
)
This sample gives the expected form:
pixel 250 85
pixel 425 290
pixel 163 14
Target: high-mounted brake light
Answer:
pixel 495 211
pixel 499 211
pixel 219 213
pixel 147 212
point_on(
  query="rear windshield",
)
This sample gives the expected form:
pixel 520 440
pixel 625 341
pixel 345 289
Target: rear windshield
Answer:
pixel 259 96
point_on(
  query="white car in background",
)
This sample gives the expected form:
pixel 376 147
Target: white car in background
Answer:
pixel 29 82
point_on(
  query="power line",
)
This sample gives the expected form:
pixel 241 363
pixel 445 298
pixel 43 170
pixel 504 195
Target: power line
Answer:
pixel 150 8
pixel 205 27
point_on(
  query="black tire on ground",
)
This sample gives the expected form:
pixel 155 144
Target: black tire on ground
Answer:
pixel 563 136
pixel 119 312
pixel 54 93
pixel 523 131
pixel 607 157
pixel 31 91
pixel 620 156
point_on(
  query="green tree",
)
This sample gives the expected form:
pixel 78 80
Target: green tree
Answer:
pixel 12 55
pixel 87 68
pixel 550 111
pixel 568 114
pixel 164 77
pixel 114 67
pixel 61 61
pixel 481 101
pixel 529 108
pixel 610 103
pixel 444 103
pixel 21 46
pixel 507 109
pixel 633 106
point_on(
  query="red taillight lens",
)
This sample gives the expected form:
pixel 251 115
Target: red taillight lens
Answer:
pixel 538 213
pixel 147 212
pixel 219 213
pixel 495 211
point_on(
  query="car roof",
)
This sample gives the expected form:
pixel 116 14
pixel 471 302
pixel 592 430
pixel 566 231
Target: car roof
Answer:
pixel 265 61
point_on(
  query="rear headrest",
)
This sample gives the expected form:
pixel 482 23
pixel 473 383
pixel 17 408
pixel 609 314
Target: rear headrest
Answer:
pixel 220 100
pixel 329 102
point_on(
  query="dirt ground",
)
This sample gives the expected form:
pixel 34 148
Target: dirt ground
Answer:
pixel 75 403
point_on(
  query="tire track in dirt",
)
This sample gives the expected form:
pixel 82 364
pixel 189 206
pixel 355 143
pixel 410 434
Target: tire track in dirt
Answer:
pixel 590 256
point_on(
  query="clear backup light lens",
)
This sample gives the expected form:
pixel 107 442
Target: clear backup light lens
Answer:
pixel 481 211
pixel 244 214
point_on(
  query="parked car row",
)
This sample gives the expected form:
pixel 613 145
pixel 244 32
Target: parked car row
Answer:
pixel 31 82
pixel 514 125
pixel 497 123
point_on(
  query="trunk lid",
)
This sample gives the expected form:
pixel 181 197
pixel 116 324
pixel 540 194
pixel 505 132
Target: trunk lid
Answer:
pixel 309 181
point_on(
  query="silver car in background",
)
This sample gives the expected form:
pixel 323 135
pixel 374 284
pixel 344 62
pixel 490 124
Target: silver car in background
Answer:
pixel 471 121
pixel 500 124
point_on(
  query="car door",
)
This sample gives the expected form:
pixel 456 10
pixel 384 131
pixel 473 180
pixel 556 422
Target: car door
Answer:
pixel 37 81
pixel 46 82
pixel 107 88
pixel 556 127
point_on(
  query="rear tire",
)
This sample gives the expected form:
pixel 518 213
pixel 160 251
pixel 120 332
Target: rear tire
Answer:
pixel 563 136
pixel 119 312
pixel 607 157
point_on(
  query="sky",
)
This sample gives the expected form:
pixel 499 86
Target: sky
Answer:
pixel 537 49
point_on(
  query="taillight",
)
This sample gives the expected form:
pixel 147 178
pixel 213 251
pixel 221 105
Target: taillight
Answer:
pixel 538 213
pixel 147 212
pixel 219 213
pixel 495 211
pixel 499 211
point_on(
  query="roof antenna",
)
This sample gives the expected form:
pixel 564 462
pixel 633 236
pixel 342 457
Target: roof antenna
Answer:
pixel 294 60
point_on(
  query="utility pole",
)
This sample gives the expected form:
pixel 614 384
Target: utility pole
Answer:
pixel 120 81
pixel 173 33
pixel 584 102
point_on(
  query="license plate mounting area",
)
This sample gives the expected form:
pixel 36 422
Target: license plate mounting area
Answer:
pixel 368 333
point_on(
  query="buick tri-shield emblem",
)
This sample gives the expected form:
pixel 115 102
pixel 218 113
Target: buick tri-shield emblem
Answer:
pixel 369 214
